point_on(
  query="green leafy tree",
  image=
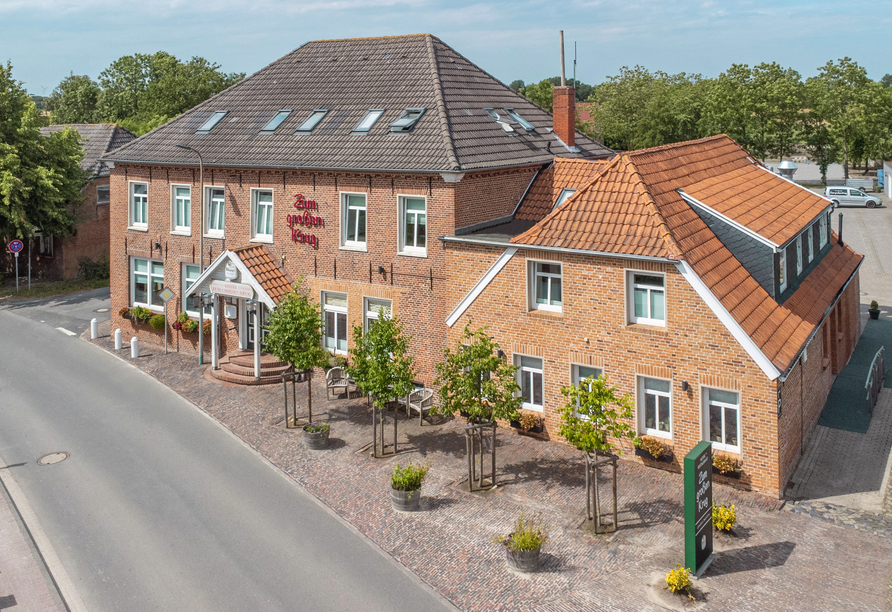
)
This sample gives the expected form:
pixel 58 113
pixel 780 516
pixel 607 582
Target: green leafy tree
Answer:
pixel 596 415
pixel 517 85
pixel 820 145
pixel 777 97
pixel 729 105
pixel 381 363
pixel 40 177
pixel 886 81
pixel 541 94
pixel 75 100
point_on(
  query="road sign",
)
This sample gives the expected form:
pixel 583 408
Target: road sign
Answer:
pixel 698 508
pixel 166 294
pixel 15 246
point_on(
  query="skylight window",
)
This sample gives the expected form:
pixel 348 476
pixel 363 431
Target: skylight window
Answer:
pixel 492 113
pixel 523 122
pixel 407 120
pixel 312 121
pixel 208 125
pixel 565 195
pixel 369 120
pixel 276 121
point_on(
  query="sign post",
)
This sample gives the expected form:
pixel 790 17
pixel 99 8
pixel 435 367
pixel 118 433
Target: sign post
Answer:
pixel 698 508
pixel 165 294
pixel 15 247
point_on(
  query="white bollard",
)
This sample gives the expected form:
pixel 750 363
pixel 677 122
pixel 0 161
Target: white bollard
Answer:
pixel 134 347
pixel 117 339
pixel 94 329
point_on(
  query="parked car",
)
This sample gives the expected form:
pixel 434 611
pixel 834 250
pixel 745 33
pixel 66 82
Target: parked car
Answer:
pixel 850 196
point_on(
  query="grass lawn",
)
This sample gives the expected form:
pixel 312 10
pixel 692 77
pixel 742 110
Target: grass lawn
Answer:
pixel 41 289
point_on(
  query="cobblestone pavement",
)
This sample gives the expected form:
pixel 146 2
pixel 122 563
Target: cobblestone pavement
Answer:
pixel 773 561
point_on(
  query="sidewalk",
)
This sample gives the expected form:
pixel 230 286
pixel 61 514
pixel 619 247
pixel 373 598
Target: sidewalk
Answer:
pixel 775 560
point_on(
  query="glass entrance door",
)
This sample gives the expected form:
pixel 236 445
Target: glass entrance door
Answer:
pixel 264 322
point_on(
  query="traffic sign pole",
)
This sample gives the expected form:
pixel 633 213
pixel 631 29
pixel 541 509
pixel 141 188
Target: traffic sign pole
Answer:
pixel 15 247
pixel 16 271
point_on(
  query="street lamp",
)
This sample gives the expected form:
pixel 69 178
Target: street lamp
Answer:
pixel 200 248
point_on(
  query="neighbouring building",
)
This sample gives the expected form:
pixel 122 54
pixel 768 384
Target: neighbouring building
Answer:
pixel 54 257
pixel 339 163
pixel 708 288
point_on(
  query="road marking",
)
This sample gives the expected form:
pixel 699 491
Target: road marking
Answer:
pixel 66 332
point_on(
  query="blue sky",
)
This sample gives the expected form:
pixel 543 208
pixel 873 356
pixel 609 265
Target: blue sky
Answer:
pixel 48 39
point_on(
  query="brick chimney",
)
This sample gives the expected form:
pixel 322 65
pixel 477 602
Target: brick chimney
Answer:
pixel 564 117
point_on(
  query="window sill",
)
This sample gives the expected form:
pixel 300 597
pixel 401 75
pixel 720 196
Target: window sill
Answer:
pixel 533 407
pixel 644 328
pixel 727 450
pixel 158 309
pixel 216 236
pixel 181 233
pixel 262 240
pixel 358 248
pixel 655 433
pixel 138 228
pixel 419 254
pixel 546 314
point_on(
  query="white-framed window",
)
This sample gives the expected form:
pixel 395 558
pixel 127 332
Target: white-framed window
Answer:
pixel 529 377
pixel 190 274
pixel 722 418
pixel 413 225
pixel 334 322
pixel 565 195
pixel 655 401
pixel 810 237
pixel 103 194
pixel 545 286
pixel 181 208
pixel 146 281
pixel 44 244
pixel 353 220
pixel 647 291
pixel 139 205
pixel 799 254
pixel 215 219
pixel 579 373
pixel 368 120
pixel 374 307
pixel 822 230
pixel 262 215
pixel 782 269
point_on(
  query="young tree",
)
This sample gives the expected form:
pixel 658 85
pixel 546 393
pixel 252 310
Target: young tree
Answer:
pixel 293 335
pixel 40 177
pixel 820 145
pixel 596 416
pixel 75 100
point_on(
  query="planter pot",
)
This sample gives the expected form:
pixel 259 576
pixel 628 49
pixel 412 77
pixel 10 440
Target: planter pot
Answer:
pixel 515 424
pixel 523 560
pixel 405 501
pixel 316 440
pixel 874 314
pixel 735 474
pixel 664 458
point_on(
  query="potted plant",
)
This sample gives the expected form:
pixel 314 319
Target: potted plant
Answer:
pixel 140 314
pixel 124 313
pixel 874 310
pixel 523 544
pixel 726 465
pixel 653 449
pixel 405 487
pixel 335 361
pixel 185 324
pixel 315 435
pixel 724 517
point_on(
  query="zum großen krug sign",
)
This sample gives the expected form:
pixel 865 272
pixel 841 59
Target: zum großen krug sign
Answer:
pixel 304 219
pixel 698 508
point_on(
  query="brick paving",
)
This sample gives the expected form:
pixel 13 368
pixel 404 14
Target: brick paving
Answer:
pixel 774 561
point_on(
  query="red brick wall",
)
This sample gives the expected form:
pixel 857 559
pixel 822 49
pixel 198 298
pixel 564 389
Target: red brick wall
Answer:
pixel 92 237
pixel 565 114
pixel 693 347
pixel 485 196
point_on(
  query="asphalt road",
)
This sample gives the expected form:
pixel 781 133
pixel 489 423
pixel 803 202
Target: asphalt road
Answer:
pixel 158 507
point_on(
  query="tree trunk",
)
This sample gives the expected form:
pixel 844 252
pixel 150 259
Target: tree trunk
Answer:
pixel 845 155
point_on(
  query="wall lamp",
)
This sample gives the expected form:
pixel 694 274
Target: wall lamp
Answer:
pixel 501 354
pixel 684 385
pixel 380 269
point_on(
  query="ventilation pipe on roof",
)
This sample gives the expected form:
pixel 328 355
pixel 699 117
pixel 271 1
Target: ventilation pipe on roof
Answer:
pixel 840 229
pixel 564 113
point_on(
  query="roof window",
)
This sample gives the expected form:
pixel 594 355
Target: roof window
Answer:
pixel 312 121
pixel 276 121
pixel 369 120
pixel 492 113
pixel 523 122
pixel 565 195
pixel 407 120
pixel 208 125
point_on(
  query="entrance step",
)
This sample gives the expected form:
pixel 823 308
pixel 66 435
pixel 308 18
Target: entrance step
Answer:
pixel 239 379
pixel 265 369
pixel 238 369
pixel 246 359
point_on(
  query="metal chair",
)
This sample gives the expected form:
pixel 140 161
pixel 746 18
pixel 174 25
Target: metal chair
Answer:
pixel 336 379
pixel 420 400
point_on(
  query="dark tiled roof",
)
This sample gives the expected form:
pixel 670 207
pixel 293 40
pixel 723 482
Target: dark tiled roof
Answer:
pixel 349 77
pixel 262 268
pixel 97 139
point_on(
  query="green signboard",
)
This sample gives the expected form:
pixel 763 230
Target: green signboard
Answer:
pixel 698 508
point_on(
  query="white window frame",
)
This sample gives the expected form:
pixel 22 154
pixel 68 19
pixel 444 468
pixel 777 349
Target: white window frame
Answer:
pixel 642 406
pixel 370 315
pixel 355 245
pixel 704 411
pixel 182 230
pixel 566 194
pixel 524 370
pixel 256 236
pixel 404 247
pixel 371 118
pixel 799 259
pixel 149 275
pixel 822 230
pixel 533 275
pixel 576 378
pixel 185 286
pixel 209 203
pixel 810 237
pixel 337 310
pixel 782 269
pixel 140 221
pixel 630 296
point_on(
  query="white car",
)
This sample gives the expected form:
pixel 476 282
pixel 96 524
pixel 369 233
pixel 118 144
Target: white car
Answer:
pixel 851 196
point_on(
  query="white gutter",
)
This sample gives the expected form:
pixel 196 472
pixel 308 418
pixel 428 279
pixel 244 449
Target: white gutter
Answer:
pixel 493 271
pixel 536 247
pixel 728 321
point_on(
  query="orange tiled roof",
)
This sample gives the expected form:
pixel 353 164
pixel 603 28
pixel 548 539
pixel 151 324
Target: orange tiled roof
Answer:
pixel 564 173
pixel 261 266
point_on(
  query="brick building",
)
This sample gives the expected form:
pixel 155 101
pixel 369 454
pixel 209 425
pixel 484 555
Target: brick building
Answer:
pixel 54 257
pixel 708 288
pixel 339 163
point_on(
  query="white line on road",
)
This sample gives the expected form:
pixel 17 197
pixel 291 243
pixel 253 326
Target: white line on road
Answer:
pixel 66 332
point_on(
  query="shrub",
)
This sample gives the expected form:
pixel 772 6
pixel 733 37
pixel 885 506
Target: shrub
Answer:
pixel 336 361
pixel 157 322
pixel 184 323
pixel 654 447
pixel 138 313
pixel 408 478
pixel 206 328
pixel 724 517
pixel 725 463
pixel 874 305
pixel 88 269
pixel 529 420
pixel 679 581
pixel 317 427
pixel 528 534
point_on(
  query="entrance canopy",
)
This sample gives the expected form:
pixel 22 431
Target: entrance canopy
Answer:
pixel 249 266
